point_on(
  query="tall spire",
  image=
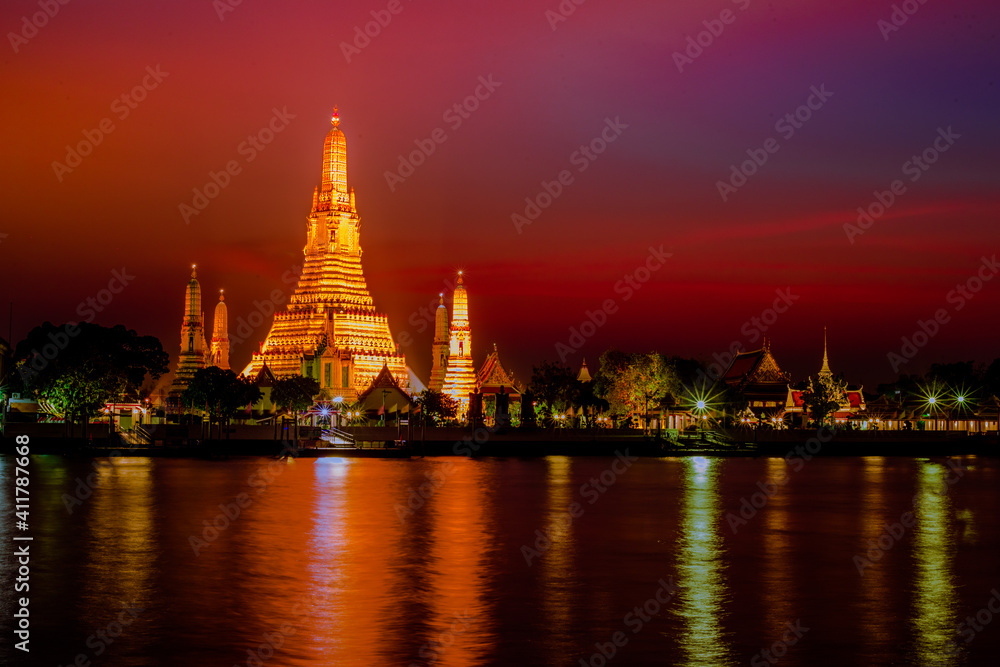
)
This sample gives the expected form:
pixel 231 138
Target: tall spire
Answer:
pixel 825 370
pixel 460 308
pixel 460 378
pixel 192 348
pixel 440 346
pixel 334 160
pixel 329 328
pixel 220 335
pixel 192 299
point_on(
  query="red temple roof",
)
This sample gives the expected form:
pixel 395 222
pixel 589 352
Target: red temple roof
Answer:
pixel 755 368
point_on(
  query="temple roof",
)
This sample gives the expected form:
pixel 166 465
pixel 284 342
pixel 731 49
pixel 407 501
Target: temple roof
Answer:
pixel 584 374
pixel 264 377
pixel 855 398
pixel 755 368
pixel 493 375
pixel 384 380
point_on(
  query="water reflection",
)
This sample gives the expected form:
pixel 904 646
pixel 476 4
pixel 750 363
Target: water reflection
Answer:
pixel 557 565
pixel 380 587
pixel 326 550
pixel 699 565
pixel 121 549
pixel 457 628
pixel 778 574
pixel 934 603
pixel 359 575
pixel 875 591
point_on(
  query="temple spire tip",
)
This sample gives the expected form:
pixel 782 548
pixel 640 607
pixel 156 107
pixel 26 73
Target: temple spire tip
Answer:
pixel 825 370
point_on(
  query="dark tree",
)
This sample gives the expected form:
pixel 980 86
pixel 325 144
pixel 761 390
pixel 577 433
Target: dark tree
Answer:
pixel 81 367
pixel 823 397
pixel 904 387
pixel 632 383
pixel 294 393
pixel 554 386
pixel 991 379
pixel 220 393
pixel 961 376
pixel 436 406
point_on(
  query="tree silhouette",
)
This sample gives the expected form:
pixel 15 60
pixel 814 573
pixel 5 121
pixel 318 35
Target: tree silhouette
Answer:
pixel 294 393
pixel 220 393
pixel 79 368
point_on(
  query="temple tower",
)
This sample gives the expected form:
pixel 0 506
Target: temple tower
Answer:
pixel 220 335
pixel 460 378
pixel 330 329
pixel 439 349
pixel 193 352
pixel 825 370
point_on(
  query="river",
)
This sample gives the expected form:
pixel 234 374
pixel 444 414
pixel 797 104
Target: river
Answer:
pixel 548 561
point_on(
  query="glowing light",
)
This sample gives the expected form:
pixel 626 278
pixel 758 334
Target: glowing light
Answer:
pixel 701 404
pixel 460 376
pixel 933 552
pixel 931 395
pixel 700 568
pixel 331 306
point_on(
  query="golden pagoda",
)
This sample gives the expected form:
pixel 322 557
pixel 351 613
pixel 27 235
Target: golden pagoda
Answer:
pixel 439 349
pixel 193 353
pixel 460 378
pixel 219 352
pixel 330 329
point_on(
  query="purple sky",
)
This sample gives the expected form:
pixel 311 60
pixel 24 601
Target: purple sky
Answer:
pixel 681 128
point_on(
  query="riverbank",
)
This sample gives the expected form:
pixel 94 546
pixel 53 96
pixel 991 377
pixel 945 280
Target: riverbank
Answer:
pixel 382 441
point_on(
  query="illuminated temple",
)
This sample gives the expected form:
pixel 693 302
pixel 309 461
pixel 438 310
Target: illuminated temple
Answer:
pixel 440 347
pixel 219 352
pixel 193 352
pixel 330 329
pixel 460 376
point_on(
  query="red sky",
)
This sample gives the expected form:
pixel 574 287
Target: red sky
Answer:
pixel 890 90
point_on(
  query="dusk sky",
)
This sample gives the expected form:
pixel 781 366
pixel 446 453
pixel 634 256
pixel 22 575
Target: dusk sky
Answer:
pixel 881 94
